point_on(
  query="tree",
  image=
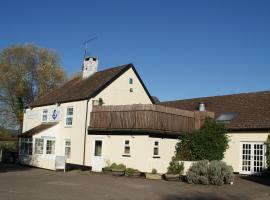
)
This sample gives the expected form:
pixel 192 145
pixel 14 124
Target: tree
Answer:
pixel 27 72
pixel 208 143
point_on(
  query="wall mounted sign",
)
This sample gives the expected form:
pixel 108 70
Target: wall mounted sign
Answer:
pixel 54 115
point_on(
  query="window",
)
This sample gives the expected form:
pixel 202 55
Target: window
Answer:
pixel 69 116
pixel 67 148
pixel 98 148
pixel 130 81
pixel 156 149
pixel 39 146
pixel 26 146
pixel 45 115
pixel 130 89
pixel 226 117
pixel 126 148
pixel 50 147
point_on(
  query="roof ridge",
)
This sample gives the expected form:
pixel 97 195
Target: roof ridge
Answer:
pixel 225 95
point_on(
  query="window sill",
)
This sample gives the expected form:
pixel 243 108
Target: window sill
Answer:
pixel 156 156
pixel 125 155
pixel 67 126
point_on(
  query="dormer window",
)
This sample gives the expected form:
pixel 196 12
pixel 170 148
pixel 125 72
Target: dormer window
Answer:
pixel 45 115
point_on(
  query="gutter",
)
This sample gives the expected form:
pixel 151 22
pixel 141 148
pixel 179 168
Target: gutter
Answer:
pixel 85 131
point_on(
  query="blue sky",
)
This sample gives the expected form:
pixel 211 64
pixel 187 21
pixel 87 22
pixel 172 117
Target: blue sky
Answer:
pixel 181 49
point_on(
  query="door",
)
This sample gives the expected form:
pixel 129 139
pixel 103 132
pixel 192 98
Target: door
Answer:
pixel 252 157
pixel 97 160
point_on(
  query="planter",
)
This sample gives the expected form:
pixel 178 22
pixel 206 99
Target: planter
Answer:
pixel 153 176
pixel 107 171
pixel 172 177
pixel 118 172
pixel 136 174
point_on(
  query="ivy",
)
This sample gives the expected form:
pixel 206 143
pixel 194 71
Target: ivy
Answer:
pixel 208 143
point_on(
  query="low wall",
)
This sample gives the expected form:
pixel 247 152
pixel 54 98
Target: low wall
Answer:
pixel 38 161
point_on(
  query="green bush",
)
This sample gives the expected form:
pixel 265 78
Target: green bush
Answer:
pixel 208 143
pixel 175 167
pixel 198 173
pixel 130 171
pixel 214 172
pixel 219 173
pixel 267 144
pixel 115 166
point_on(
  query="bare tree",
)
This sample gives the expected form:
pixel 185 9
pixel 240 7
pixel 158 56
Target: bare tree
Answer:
pixel 26 73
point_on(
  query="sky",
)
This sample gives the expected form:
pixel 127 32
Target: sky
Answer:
pixel 181 49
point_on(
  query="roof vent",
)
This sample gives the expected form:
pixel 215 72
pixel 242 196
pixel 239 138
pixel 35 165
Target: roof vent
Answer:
pixel 90 65
pixel 202 106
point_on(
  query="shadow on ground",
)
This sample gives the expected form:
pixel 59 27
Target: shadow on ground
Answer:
pixel 5 167
pixel 264 180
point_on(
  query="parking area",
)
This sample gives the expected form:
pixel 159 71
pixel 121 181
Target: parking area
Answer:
pixel 24 183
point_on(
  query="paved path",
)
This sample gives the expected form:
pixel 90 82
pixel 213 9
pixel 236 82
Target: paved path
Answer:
pixel 23 183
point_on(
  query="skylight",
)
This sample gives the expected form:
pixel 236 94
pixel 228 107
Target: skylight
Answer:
pixel 226 117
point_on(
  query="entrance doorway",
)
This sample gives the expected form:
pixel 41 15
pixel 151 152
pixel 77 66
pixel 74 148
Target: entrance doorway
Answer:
pixel 97 160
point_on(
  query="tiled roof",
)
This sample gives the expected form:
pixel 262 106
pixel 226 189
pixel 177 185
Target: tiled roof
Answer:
pixel 36 130
pixel 79 89
pixel 252 109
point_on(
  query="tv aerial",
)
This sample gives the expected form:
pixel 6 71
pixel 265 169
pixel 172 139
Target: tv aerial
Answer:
pixel 85 43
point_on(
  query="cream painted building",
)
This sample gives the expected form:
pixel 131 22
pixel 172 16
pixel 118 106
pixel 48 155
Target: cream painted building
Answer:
pixel 56 127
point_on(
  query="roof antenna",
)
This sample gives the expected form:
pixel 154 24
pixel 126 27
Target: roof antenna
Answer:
pixel 85 43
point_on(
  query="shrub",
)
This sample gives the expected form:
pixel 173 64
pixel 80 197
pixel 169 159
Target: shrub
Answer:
pixel 121 167
pixel 215 172
pixel 154 171
pixel 130 171
pixel 267 144
pixel 208 143
pixel 198 173
pixel 175 167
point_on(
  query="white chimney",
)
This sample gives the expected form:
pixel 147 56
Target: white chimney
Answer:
pixel 202 106
pixel 90 65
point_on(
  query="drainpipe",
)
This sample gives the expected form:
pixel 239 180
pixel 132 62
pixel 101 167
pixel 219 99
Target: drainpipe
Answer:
pixel 85 131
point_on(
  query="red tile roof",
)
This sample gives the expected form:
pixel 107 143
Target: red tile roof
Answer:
pixel 252 109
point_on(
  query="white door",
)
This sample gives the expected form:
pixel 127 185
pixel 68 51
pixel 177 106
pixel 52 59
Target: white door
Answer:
pixel 252 157
pixel 97 160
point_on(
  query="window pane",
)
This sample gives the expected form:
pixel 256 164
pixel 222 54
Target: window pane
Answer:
pixel 39 146
pixel 69 121
pixel 69 111
pixel 50 147
pixel 98 147
pixel 127 150
pixel 156 143
pixel 156 152
pixel 126 142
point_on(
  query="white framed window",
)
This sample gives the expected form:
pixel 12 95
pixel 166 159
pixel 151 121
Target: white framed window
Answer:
pixel 127 148
pixel 26 145
pixel 45 115
pixel 156 150
pixel 69 116
pixel 50 147
pixel 67 148
pixel 39 143
pixel 130 89
pixel 130 80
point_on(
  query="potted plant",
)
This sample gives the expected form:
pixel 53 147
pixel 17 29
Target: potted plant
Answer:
pixel 118 170
pixel 132 172
pixel 107 169
pixel 154 175
pixel 175 169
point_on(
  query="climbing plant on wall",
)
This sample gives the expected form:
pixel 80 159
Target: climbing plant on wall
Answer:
pixel 267 144
pixel 208 143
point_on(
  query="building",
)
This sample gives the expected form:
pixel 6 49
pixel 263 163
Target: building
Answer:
pixel 109 116
pixel 247 116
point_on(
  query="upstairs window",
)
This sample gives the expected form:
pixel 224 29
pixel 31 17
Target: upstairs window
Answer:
pixel 26 146
pixel 156 149
pixel 50 147
pixel 39 146
pixel 69 116
pixel 67 148
pixel 127 148
pixel 45 115
pixel 130 80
